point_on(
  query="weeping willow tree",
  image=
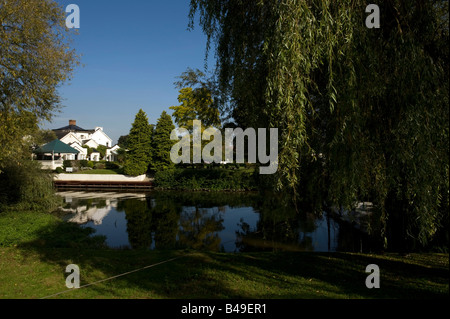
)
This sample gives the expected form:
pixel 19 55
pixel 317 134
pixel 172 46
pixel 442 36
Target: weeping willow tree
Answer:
pixel 362 113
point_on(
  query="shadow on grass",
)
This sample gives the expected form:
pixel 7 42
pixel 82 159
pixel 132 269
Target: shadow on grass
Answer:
pixel 227 275
pixel 340 274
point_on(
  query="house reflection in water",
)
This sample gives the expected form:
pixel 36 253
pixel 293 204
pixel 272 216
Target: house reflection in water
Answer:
pixel 82 208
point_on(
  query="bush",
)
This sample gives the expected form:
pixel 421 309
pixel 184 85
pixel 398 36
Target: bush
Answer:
pixel 133 167
pixel 99 166
pixel 25 186
pixel 59 170
pixel 111 165
pixel 67 163
pixel 75 164
pixel 90 164
pixel 84 163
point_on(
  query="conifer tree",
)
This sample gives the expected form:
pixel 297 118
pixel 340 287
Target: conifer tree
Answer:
pixel 162 144
pixel 139 153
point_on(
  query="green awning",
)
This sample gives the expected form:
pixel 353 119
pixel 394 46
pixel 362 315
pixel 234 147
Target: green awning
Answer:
pixel 56 146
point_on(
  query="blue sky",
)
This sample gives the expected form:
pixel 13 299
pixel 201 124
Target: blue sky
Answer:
pixel 132 51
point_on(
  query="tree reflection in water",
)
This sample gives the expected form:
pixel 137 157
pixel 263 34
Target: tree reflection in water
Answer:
pixel 200 227
pixel 139 222
pixel 279 227
pixel 169 222
pixel 198 220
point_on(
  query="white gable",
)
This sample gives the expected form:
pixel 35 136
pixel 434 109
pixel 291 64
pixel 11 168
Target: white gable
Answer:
pixel 101 138
pixel 79 148
pixel 84 135
pixel 92 144
pixel 70 138
pixel 114 148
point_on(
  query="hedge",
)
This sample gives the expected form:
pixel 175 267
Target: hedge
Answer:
pixel 206 179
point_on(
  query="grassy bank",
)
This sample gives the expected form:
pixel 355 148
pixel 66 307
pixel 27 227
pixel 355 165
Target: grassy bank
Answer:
pixel 32 265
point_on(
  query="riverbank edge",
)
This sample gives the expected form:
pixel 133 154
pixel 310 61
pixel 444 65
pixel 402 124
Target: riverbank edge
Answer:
pixel 101 178
pixel 90 181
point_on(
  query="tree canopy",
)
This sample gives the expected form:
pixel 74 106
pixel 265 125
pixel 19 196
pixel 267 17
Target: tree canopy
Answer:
pixel 123 141
pixel 197 102
pixel 35 59
pixel 362 113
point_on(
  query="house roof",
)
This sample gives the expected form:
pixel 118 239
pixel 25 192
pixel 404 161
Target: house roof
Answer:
pixel 71 128
pixel 62 131
pixel 56 146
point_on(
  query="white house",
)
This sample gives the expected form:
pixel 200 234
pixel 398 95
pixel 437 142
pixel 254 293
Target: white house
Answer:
pixel 92 143
pixel 111 153
pixel 100 137
pixel 78 137
pixel 72 140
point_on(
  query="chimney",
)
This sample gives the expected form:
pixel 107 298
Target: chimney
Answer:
pixel 72 122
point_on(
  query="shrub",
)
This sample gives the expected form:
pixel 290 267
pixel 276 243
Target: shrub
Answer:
pixel 84 163
pixel 90 164
pixel 59 170
pixel 102 150
pixel 133 167
pixel 99 166
pixel 67 163
pixel 25 186
pixel 111 165
pixel 76 164
pixel 211 179
pixel 166 179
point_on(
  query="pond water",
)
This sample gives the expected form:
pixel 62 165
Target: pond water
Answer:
pixel 216 221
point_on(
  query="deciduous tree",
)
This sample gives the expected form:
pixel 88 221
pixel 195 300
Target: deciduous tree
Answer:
pixel 35 57
pixel 197 101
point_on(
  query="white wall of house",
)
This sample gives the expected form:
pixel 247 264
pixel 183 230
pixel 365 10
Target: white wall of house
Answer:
pixel 111 153
pixel 82 151
pixel 52 165
pixel 95 156
pixel 92 144
pixel 83 135
pixel 69 157
pixel 101 138
pixel 115 148
pixel 71 138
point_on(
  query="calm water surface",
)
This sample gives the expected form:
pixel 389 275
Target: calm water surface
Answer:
pixel 230 222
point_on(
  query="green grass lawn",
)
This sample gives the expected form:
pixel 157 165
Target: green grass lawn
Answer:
pixel 102 171
pixel 35 249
